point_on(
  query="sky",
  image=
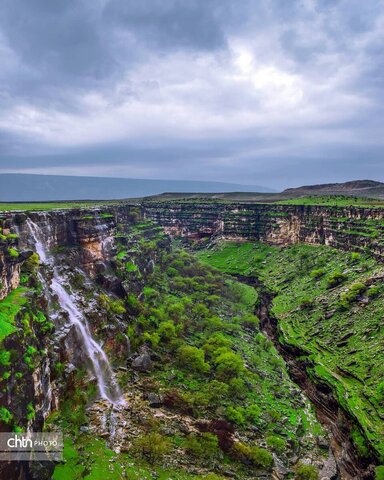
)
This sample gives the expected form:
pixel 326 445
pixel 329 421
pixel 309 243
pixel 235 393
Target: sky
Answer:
pixel 270 92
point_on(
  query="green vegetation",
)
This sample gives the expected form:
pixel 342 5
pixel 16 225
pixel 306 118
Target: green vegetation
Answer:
pixel 5 416
pixel 12 252
pixel 210 364
pixel 330 305
pixel 89 458
pixel 152 447
pixel 205 445
pixel 306 472
pixel 334 201
pixel 379 473
pixel 257 456
pixel 10 306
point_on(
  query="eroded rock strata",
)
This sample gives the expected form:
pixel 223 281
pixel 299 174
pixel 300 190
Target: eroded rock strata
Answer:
pixel 346 228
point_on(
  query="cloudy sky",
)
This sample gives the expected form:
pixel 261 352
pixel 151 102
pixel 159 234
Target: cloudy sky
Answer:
pixel 271 92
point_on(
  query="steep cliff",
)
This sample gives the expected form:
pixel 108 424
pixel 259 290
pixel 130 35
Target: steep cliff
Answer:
pixel 350 228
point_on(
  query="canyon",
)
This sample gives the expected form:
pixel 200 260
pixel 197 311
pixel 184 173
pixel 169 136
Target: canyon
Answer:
pixel 74 243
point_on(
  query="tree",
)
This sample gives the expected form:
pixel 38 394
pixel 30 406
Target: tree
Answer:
pixel 167 330
pixel 192 358
pixel 229 365
pixel 217 340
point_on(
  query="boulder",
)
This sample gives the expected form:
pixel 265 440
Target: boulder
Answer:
pixel 154 400
pixel 142 362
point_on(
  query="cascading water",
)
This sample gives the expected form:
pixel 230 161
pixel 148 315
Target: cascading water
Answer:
pixel 108 387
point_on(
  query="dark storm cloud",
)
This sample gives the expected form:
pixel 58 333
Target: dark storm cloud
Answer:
pixel 170 88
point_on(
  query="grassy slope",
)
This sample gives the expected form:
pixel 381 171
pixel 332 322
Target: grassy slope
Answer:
pixel 9 308
pixel 334 200
pixel 344 340
pixel 98 462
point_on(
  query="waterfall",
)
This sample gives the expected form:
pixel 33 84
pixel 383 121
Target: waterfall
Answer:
pixel 107 384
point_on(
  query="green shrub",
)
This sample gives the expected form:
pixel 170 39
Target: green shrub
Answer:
pixel 152 447
pixel 204 445
pixel 5 358
pixel 31 264
pixel 130 267
pixel 379 472
pixel 317 273
pixel 217 390
pixel 276 443
pixel 251 322
pixel 133 303
pixel 167 330
pixel 152 338
pixel 306 303
pixel 12 252
pixel 235 415
pixel 306 472
pixel 335 279
pixel 30 412
pixel 373 291
pixel 355 290
pixel 229 365
pixel 253 413
pixel 261 457
pixel 256 455
pixel 117 307
pixel 214 342
pixel 12 236
pixel 213 476
pixel 5 416
pixel 237 387
pixel 77 280
pixel 192 358
pixel 355 257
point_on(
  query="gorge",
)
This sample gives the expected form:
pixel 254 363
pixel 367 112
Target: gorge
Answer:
pixel 93 302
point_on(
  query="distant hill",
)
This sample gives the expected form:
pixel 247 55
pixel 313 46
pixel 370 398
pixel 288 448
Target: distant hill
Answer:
pixel 366 188
pixel 31 188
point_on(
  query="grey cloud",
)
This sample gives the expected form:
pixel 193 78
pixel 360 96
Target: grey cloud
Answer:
pixel 172 24
pixel 57 52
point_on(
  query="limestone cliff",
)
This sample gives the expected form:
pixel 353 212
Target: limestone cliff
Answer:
pixel 350 228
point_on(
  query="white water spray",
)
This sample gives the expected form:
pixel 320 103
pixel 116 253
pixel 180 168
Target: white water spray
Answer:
pixel 108 387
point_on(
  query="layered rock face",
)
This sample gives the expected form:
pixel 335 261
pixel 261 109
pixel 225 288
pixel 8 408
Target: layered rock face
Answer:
pixel 346 228
pixel 10 259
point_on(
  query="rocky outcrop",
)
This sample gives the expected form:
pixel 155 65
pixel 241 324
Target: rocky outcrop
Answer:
pixel 11 258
